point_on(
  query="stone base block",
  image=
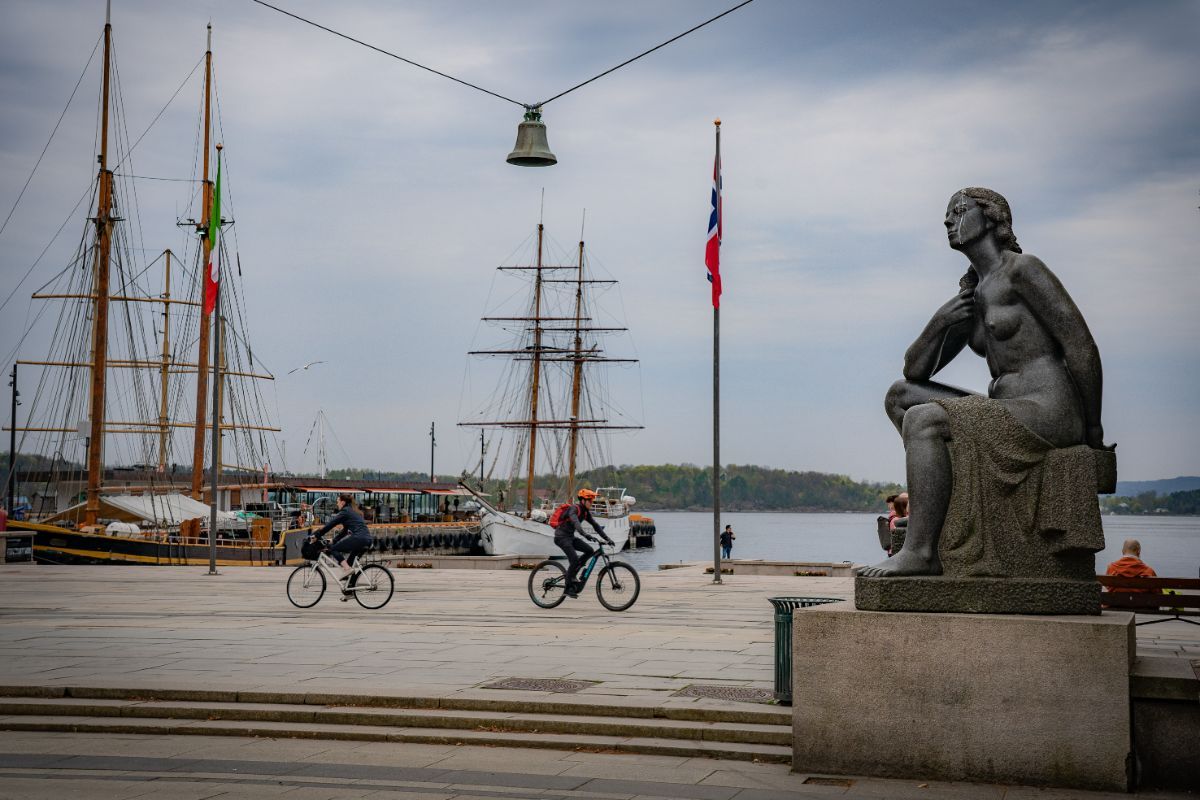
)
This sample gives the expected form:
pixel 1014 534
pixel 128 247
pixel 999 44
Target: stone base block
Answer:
pixel 960 697
pixel 977 595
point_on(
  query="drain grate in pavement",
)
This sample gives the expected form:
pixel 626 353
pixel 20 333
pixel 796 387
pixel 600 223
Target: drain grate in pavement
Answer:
pixel 740 694
pixel 539 685
pixel 829 782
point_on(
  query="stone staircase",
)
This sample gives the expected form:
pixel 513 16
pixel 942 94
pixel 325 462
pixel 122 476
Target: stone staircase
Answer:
pixel 753 733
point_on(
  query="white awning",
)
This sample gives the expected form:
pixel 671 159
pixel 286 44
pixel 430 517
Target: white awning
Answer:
pixel 158 509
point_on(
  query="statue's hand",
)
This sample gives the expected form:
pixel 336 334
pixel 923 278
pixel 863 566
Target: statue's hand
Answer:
pixel 1095 437
pixel 959 308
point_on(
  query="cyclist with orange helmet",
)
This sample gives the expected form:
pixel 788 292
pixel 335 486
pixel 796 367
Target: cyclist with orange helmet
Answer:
pixel 571 539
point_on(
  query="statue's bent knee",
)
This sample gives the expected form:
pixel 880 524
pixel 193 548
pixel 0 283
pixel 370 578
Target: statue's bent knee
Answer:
pixel 893 401
pixel 925 420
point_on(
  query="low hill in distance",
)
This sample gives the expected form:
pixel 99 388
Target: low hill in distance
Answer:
pixel 1163 486
pixel 687 487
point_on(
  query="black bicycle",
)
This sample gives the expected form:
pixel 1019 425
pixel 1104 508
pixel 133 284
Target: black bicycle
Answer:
pixel 617 584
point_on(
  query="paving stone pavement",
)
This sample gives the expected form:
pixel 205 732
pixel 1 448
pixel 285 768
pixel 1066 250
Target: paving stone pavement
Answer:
pixel 49 766
pixel 445 632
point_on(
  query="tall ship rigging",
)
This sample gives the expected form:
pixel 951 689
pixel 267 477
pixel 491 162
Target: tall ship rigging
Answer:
pixel 553 410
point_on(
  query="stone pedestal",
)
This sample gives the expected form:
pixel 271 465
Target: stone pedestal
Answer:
pixel 978 595
pixel 963 697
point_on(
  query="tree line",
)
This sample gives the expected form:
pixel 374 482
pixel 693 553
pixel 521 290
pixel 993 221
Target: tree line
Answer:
pixel 685 487
pixel 1153 503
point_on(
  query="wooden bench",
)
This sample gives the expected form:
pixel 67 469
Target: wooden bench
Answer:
pixel 1151 599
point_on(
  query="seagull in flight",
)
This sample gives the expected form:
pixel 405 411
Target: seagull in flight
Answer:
pixel 306 366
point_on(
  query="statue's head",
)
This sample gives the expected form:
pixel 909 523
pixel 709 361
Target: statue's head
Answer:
pixel 996 209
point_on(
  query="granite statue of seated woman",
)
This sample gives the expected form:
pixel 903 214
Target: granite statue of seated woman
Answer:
pixel 1004 485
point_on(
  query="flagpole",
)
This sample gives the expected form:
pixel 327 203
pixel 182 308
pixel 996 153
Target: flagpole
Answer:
pixel 215 225
pixel 717 387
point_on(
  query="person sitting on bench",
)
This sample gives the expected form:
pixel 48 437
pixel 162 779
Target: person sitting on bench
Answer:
pixel 1130 565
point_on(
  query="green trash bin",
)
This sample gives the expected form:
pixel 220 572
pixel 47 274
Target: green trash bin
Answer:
pixel 783 640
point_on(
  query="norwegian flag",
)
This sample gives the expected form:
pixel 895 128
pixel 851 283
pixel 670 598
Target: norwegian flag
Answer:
pixel 712 251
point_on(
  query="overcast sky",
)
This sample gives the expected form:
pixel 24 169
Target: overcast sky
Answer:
pixel 372 200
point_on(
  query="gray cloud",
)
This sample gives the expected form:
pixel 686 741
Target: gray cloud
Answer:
pixel 372 200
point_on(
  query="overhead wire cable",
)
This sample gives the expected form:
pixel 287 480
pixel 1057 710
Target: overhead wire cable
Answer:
pixel 646 53
pixel 388 53
pixel 488 91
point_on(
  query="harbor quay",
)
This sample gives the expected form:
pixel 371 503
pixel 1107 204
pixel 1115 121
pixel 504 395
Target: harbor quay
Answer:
pixel 168 682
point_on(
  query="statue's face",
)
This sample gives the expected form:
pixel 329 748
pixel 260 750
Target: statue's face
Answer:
pixel 965 221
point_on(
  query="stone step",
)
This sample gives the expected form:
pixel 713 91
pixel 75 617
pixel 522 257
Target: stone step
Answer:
pixel 461 719
pixel 480 700
pixel 590 742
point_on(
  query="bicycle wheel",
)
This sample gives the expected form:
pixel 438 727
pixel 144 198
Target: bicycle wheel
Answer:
pixel 374 587
pixel 548 584
pixel 618 586
pixel 305 586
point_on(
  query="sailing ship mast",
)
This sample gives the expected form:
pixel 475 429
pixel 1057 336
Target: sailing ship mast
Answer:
pixel 535 383
pixel 103 252
pixel 576 377
pixel 165 369
pixel 205 316
pixel 542 351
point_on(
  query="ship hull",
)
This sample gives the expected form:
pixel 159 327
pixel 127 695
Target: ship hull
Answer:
pixel 506 534
pixel 55 545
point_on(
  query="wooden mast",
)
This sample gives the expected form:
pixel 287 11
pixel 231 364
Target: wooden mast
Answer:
pixel 537 370
pixel 164 370
pixel 205 316
pixel 101 255
pixel 576 379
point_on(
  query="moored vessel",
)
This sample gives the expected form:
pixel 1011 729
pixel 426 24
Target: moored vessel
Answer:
pixel 552 407
pixel 121 365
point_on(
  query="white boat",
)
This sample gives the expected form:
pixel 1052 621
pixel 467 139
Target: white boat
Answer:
pixel 551 405
pixel 509 534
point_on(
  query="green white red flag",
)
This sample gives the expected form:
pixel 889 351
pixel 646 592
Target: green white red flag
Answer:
pixel 212 276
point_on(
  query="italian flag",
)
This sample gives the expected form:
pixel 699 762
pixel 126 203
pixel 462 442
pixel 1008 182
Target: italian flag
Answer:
pixel 212 274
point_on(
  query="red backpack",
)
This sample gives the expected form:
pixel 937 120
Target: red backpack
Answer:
pixel 559 515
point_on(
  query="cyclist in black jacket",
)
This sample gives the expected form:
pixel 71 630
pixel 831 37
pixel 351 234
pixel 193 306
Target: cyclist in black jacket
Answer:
pixel 354 538
pixel 570 537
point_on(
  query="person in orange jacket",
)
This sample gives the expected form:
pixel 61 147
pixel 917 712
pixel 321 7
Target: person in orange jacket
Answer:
pixel 1130 564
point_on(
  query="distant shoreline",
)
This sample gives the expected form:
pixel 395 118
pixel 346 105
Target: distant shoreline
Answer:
pixel 844 511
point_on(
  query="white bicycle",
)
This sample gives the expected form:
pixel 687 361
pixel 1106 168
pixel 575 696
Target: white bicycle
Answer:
pixel 371 585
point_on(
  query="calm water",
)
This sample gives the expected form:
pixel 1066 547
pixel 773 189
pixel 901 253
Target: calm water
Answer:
pixel 1171 545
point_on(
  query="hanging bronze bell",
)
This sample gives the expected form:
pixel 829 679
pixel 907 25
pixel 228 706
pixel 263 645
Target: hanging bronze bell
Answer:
pixel 531 149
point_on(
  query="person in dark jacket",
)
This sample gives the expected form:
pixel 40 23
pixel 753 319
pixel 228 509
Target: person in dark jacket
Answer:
pixel 571 539
pixel 727 537
pixel 354 538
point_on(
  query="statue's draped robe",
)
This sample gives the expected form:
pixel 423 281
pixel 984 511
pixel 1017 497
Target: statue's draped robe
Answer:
pixel 1020 507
